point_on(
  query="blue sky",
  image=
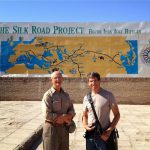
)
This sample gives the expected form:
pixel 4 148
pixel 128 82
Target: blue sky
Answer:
pixel 74 10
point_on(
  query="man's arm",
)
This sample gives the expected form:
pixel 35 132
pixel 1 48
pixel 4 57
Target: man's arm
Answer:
pixel 114 122
pixel 116 118
pixel 66 118
pixel 85 121
pixel 47 108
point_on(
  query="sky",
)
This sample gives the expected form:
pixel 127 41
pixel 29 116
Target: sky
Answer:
pixel 74 10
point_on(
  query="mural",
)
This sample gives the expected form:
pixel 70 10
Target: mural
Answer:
pixel 113 50
pixel 74 56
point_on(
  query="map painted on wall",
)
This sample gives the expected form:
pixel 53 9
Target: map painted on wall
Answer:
pixel 74 56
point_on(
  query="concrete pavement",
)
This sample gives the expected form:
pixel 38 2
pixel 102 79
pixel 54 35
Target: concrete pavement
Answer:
pixel 20 124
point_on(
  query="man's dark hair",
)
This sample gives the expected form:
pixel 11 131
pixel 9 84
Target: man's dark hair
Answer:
pixel 94 75
pixel 55 69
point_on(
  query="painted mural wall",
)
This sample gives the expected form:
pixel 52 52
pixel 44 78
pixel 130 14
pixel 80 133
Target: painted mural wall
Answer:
pixel 112 49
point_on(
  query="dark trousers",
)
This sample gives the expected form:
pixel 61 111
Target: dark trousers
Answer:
pixel 95 144
pixel 55 137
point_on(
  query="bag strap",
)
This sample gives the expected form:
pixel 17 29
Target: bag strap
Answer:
pixel 89 97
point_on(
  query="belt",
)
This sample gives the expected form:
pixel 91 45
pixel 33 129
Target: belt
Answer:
pixel 51 122
pixel 54 124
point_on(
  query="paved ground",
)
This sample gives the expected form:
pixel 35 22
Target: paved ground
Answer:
pixel 20 120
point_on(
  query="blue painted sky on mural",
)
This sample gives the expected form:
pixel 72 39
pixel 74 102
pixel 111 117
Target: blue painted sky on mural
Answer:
pixel 74 10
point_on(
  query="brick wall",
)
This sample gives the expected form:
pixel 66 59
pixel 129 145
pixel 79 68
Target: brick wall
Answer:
pixel 126 90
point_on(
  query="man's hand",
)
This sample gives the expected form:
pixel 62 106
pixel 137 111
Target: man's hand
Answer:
pixel 64 118
pixel 59 119
pixel 89 128
pixel 67 118
pixel 105 135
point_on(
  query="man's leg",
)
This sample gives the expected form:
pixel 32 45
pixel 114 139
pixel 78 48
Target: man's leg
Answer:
pixel 64 138
pixel 100 144
pixel 50 137
pixel 90 145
